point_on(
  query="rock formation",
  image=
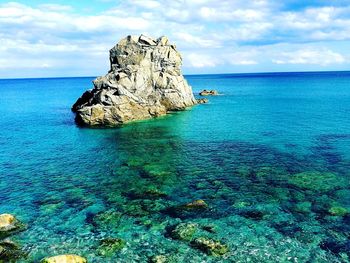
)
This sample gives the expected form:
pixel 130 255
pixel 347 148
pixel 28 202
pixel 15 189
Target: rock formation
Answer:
pixel 202 101
pixel 144 81
pixel 208 92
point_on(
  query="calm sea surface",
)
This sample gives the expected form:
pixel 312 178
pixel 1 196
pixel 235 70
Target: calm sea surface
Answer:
pixel 270 157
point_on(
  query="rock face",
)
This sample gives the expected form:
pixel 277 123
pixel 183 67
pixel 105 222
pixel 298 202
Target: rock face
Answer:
pixel 144 81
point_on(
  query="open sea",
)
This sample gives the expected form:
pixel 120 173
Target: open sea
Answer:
pixel 270 157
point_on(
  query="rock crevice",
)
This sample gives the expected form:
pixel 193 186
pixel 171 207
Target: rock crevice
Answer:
pixel 144 81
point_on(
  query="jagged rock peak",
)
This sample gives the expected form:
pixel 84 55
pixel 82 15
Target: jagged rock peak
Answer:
pixel 144 81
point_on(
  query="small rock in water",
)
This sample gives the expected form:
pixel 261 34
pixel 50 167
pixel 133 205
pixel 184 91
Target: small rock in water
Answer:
pixel 208 92
pixel 184 231
pixel 109 246
pixel 65 259
pixel 210 246
pixel 202 101
pixel 9 224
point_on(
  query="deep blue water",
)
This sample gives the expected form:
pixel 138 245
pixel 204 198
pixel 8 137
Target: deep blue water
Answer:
pixel 270 157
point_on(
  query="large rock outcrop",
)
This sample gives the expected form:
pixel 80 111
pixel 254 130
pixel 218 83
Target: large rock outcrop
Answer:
pixel 144 81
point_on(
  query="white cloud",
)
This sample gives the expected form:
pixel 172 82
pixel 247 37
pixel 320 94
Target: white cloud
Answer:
pixel 209 33
pixel 242 57
pixel 55 7
pixel 212 13
pixel 195 40
pixel 201 60
pixel 321 57
pixel 109 23
pixel 147 3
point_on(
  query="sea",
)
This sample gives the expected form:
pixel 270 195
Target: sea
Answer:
pixel 268 160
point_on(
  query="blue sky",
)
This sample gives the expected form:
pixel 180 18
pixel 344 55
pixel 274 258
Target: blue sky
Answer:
pixel 72 38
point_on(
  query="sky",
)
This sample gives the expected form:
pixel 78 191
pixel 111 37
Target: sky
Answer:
pixel 72 38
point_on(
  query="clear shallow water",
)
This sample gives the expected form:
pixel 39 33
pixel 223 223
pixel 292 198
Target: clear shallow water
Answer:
pixel 270 157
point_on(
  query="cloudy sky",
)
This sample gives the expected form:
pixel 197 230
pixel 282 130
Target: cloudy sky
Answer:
pixel 72 38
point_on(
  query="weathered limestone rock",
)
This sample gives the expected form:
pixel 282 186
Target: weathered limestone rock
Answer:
pixel 64 259
pixel 144 81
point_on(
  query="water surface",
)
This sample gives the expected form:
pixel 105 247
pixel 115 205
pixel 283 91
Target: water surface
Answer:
pixel 270 157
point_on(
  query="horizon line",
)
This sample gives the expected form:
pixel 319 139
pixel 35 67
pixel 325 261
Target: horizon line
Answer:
pixel 198 74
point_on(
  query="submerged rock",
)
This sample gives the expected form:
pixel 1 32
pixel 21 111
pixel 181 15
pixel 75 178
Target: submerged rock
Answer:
pixel 318 181
pixel 144 81
pixel 109 246
pixel 210 228
pixel 303 207
pixel 9 224
pixel 157 170
pixel 107 219
pixel 184 231
pixel 151 193
pixel 192 209
pixel 252 213
pixel 64 259
pixel 208 92
pixel 338 211
pixel 197 204
pixel 210 246
pixel 158 259
pixel 10 251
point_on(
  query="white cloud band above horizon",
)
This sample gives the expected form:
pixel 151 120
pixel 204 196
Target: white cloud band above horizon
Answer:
pixel 214 37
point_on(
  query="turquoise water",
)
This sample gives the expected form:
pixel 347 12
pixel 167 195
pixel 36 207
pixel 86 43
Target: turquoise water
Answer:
pixel 270 157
